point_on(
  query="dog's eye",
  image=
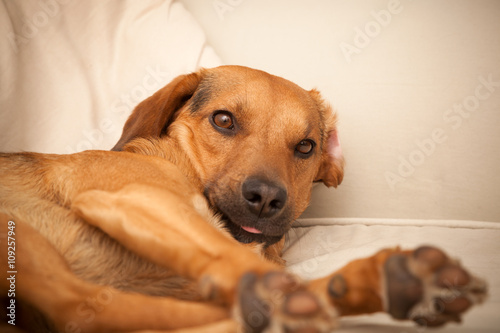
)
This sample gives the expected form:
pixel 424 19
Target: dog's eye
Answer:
pixel 223 119
pixel 305 148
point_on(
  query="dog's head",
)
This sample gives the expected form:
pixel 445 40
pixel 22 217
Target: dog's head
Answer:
pixel 255 142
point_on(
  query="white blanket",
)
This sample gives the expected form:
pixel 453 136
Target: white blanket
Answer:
pixel 72 71
pixel 317 247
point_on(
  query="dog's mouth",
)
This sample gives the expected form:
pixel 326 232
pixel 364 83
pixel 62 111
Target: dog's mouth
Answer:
pixel 248 234
pixel 245 227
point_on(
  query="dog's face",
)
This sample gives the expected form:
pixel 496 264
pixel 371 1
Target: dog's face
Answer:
pixel 257 143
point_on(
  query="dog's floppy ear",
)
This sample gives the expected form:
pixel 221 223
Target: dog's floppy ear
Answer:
pixel 153 115
pixel 331 170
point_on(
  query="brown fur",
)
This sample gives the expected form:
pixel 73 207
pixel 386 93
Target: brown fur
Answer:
pixel 150 217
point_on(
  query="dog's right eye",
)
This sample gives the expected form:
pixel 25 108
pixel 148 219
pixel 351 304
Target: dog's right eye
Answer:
pixel 222 120
pixel 305 148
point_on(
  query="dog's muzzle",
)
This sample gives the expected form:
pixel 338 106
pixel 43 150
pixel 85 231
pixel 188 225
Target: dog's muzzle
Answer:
pixel 256 211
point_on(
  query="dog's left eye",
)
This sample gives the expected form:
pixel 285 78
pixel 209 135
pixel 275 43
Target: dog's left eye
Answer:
pixel 305 148
pixel 223 120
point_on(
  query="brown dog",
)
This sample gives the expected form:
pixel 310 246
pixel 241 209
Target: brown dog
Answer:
pixel 193 205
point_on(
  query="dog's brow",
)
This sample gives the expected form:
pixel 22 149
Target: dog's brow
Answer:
pixel 201 96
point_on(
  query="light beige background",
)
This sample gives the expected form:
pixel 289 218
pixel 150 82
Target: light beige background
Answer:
pixel 396 91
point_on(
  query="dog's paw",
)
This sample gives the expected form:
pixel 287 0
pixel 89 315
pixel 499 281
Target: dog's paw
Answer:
pixel 430 288
pixel 279 302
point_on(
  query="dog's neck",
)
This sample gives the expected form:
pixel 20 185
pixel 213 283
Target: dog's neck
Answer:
pixel 170 150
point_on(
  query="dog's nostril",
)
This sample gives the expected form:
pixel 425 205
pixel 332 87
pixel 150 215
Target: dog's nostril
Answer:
pixel 254 198
pixel 276 204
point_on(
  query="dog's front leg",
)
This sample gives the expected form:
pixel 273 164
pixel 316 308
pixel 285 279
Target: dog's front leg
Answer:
pixel 44 280
pixel 167 229
pixel 423 285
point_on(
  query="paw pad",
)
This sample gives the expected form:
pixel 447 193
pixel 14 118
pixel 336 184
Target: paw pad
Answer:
pixel 451 276
pixel 301 303
pixel 279 302
pixel 337 286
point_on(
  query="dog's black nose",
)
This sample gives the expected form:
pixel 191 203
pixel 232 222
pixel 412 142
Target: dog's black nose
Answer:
pixel 264 198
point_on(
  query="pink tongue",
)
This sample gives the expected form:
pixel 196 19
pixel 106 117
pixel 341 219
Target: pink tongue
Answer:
pixel 251 230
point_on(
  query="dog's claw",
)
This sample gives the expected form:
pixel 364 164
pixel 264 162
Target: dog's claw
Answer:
pixel 279 302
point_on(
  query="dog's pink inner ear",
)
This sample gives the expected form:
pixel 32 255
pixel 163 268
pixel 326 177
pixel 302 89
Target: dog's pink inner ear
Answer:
pixel 333 146
pixel 331 171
